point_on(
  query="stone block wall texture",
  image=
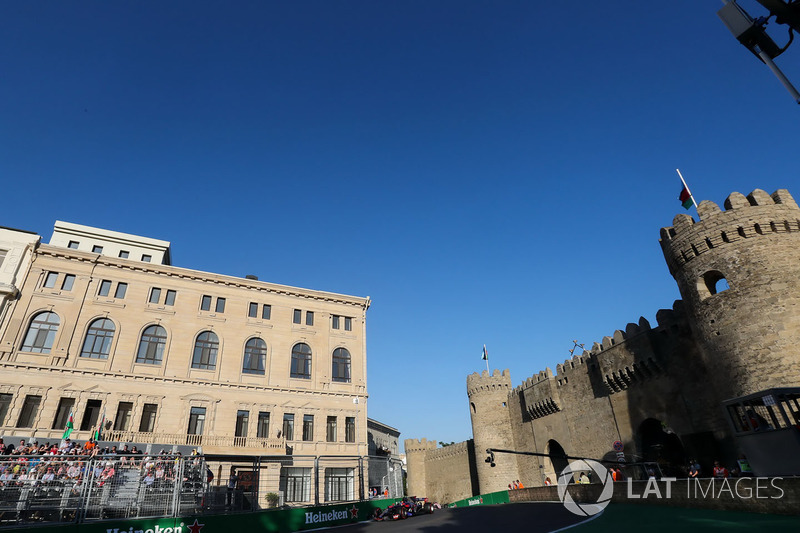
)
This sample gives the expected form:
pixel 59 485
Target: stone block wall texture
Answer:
pixel 718 342
pixel 491 427
pixel 416 453
pixel 444 469
pixel 747 335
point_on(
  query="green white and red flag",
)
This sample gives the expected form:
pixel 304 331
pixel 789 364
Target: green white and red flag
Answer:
pixel 98 433
pixel 686 198
pixel 68 429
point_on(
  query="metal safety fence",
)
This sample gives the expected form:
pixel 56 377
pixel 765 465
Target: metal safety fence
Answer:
pixel 78 489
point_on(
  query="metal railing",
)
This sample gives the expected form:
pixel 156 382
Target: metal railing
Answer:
pixel 269 445
pixel 195 440
pixel 74 488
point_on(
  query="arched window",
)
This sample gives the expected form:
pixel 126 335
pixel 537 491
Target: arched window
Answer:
pixel 151 345
pixel 205 351
pixel 98 339
pixel 341 365
pixel 301 361
pixel 255 356
pixel 711 283
pixel 41 333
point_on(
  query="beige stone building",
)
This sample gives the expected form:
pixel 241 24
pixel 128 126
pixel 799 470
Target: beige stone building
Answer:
pixel 100 324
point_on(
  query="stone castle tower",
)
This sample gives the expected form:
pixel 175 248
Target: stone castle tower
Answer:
pixel 416 453
pixel 738 271
pixel 491 427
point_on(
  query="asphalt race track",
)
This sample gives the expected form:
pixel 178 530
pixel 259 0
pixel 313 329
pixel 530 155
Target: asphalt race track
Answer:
pixel 528 517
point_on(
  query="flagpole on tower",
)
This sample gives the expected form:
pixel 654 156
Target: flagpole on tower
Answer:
pixel 485 357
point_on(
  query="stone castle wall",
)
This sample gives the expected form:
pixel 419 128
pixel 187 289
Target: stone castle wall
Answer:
pixel 658 390
pixel 445 467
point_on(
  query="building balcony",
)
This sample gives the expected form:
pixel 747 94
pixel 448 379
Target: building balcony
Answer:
pixel 209 443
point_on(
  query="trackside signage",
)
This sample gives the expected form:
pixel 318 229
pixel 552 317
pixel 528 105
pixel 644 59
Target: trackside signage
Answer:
pixel 332 515
pixel 264 521
pixel 179 528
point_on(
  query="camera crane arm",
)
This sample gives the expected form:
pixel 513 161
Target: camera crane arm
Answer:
pixel 752 33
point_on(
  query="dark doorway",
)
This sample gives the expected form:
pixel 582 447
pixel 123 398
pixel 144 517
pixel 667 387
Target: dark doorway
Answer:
pixel 659 444
pixel 558 457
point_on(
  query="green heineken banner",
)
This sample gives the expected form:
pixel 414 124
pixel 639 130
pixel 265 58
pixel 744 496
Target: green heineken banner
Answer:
pixel 277 520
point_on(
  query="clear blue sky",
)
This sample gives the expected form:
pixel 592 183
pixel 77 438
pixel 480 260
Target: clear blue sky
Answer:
pixel 488 172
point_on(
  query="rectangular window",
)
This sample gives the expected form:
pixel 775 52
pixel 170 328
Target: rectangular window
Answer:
pixel 309 318
pixel 3 254
pixel 296 316
pixel 123 254
pixel 73 245
pixel 220 308
pixel 308 427
pixel 288 426
pixel 339 484
pixel 147 258
pixel 266 311
pixel 170 299
pixel 330 429
pixel 252 310
pixel 97 249
pixel 91 414
pixel 148 422
pixel 155 295
pixel 348 323
pixel 65 406
pixel 335 322
pixel 69 281
pixel 350 429
pixel 5 405
pixel 295 482
pixel 29 410
pixel 122 288
pixel 50 280
pixel 122 422
pixel 263 425
pixel 205 303
pixel 197 419
pixel 242 419
pixel 105 288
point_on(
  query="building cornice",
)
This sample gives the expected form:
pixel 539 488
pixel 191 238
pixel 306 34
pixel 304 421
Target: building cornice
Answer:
pixel 204 277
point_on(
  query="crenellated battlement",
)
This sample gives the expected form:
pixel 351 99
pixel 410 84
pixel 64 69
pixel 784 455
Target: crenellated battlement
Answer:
pixel 419 445
pixel 619 365
pixel 756 215
pixel 446 452
pixel 483 382
pixel 539 394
